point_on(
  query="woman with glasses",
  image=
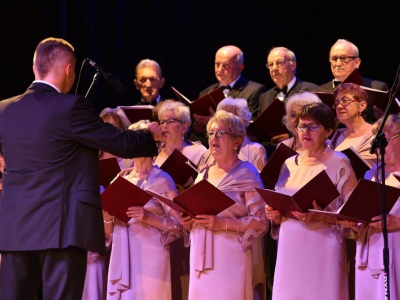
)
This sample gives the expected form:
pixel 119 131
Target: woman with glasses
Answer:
pixel 370 277
pixel 174 118
pixel 249 151
pixel 292 106
pixel 139 263
pixel 220 246
pixel 352 105
pixel 311 258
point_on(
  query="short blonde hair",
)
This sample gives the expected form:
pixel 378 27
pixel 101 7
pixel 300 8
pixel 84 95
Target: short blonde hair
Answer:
pixel 117 115
pixel 181 110
pixel 235 124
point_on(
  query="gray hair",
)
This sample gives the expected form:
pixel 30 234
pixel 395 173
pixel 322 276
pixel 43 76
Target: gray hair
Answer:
pixel 290 53
pixel 148 63
pixel 301 98
pixel 353 47
pixel 238 107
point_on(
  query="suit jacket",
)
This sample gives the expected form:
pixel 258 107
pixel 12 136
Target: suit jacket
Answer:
pixel 370 83
pixel 245 89
pixel 269 96
pixel 50 193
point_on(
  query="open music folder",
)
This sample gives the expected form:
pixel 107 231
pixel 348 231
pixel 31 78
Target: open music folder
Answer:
pixel 137 113
pixel 358 164
pixel 270 172
pixel 269 123
pixel 363 203
pixel 177 166
pixel 354 77
pixel 320 189
pixel 120 195
pixel 201 105
pixel 201 198
pixel 108 169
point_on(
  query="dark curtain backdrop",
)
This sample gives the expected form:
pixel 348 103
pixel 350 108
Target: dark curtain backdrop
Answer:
pixel 183 37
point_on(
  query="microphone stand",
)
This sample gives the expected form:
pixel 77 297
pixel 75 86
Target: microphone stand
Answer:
pixel 95 79
pixel 381 143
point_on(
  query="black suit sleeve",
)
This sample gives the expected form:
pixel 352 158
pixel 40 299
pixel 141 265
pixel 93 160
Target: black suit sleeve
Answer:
pixel 90 131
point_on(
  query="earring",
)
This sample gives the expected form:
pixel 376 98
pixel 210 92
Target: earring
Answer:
pixel 235 147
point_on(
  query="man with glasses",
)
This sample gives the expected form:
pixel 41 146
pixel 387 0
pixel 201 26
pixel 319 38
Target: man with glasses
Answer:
pixel 281 63
pixel 344 58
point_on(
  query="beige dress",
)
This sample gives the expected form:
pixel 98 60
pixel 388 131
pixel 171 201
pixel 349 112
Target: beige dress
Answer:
pixel 311 259
pixel 370 277
pixel 139 264
pixel 221 262
pixel 361 144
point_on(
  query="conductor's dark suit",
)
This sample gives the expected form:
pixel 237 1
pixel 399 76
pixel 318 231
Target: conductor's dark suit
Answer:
pixel 50 143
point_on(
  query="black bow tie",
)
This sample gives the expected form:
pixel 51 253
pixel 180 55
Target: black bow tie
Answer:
pixel 336 83
pixel 225 87
pixel 284 90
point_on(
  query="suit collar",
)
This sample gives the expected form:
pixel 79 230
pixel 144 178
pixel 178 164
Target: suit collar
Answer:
pixel 42 85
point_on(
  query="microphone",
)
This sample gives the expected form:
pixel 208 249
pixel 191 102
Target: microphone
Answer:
pixel 110 78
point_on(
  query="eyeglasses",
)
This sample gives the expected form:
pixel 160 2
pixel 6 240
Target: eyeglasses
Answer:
pixel 344 102
pixel 393 137
pixel 278 63
pixel 310 127
pixel 343 58
pixel 170 121
pixel 217 134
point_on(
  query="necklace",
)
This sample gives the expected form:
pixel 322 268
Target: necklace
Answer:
pixel 314 160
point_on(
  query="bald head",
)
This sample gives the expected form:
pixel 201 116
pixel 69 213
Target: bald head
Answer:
pixel 228 64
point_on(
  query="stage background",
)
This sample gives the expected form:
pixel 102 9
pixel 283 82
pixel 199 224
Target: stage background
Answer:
pixel 183 37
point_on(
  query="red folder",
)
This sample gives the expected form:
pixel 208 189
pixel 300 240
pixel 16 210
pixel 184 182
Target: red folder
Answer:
pixel 138 112
pixel 201 198
pixel 201 105
pixel 363 203
pixel 380 99
pixel 328 99
pixel 320 189
pixel 354 77
pixel 270 172
pixel 269 122
pixel 176 165
pixel 359 165
pixel 120 195
pixel 108 169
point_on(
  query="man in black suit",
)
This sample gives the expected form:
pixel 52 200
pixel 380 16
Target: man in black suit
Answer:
pixel 50 209
pixel 281 63
pixel 148 81
pixel 344 58
pixel 228 66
